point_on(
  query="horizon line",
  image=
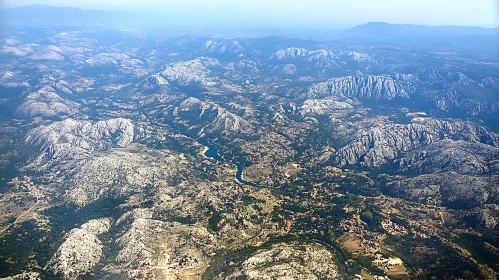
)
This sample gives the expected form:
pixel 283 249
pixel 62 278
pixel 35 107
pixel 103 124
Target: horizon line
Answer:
pixel 178 6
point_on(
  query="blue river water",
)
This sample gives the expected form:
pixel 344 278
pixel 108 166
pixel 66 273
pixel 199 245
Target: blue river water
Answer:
pixel 212 152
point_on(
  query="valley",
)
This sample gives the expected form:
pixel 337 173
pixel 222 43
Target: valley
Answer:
pixel 127 155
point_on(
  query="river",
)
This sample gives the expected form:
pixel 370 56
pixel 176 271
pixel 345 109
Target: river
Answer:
pixel 212 152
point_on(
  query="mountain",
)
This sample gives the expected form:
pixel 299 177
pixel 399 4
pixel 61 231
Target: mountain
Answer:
pixel 466 37
pixel 127 155
pixel 394 30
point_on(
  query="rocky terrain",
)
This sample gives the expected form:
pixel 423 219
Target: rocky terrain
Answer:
pixel 365 86
pixel 81 250
pixel 381 143
pixel 129 155
pixel 288 261
pixel 46 102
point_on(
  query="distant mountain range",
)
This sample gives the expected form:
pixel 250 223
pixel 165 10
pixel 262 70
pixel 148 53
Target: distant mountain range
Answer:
pixel 50 15
pixel 387 29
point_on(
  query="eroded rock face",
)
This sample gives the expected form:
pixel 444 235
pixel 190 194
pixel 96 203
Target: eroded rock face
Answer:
pixel 211 116
pixel 381 143
pixel 289 261
pixel 118 173
pixel 81 250
pixel 449 155
pixel 364 86
pixel 81 155
pixel 486 216
pixel 155 83
pixel 47 103
pixel 71 135
pixel 323 57
pixel 324 106
pixel 191 72
pixel 455 89
pixel 9 79
pixel 233 47
pixel 453 189
pixel 137 243
pixel 360 57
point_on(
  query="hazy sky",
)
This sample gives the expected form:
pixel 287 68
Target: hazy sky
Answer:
pixel 483 13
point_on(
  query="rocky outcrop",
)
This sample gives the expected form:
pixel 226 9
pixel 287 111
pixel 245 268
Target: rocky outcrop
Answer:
pixel 211 117
pixel 384 142
pixel 449 155
pixel 233 47
pixel 73 136
pixel 319 58
pixel 360 57
pixel 364 86
pixel 454 190
pixel 454 91
pixel 82 154
pixel 137 246
pixel 116 174
pixel 486 216
pixel 191 72
pixel 154 82
pixel 288 261
pixel 324 106
pixel 11 80
pixel 49 52
pixel 81 250
pixel 47 103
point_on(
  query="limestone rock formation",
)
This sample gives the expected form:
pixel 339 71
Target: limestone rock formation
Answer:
pixel 364 86
pixel 71 136
pixel 449 155
pixel 453 189
pixel 191 72
pixel 289 261
pixel 211 116
pixel 324 106
pixel 154 82
pixel 381 143
pixel 319 58
pixel 233 47
pixel 81 250
pixel 46 102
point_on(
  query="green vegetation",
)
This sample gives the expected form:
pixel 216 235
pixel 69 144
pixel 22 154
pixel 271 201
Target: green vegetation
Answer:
pixel 26 245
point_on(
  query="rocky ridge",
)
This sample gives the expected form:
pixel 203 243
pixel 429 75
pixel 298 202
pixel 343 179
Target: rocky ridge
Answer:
pixel 324 106
pixel 46 102
pixel 289 261
pixel 381 143
pixel 81 250
pixel 364 86
pixel 211 117
pixel 191 72
pixel 73 136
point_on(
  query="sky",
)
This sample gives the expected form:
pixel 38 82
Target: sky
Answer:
pixel 319 13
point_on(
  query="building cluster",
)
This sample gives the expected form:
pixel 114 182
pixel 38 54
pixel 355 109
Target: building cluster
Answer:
pixel 182 262
pixel 352 225
pixel 386 263
pixel 376 277
pixel 140 273
pixel 368 241
pixel 419 229
pixel 26 184
pixel 393 228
